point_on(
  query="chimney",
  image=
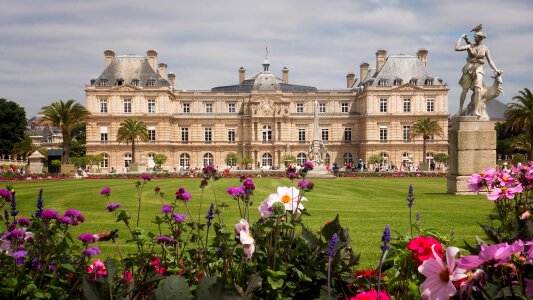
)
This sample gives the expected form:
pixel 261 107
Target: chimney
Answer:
pixel 285 72
pixel 152 56
pixel 171 79
pixel 109 56
pixel 242 75
pixel 163 70
pixel 363 70
pixel 381 56
pixel 422 56
pixel 350 78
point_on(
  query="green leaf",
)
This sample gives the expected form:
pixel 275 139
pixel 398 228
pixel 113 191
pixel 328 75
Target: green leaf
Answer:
pixel 275 284
pixel 95 290
pixel 172 287
pixel 68 267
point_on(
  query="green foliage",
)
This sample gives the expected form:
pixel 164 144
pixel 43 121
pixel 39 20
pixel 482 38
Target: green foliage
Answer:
pixel 246 161
pixel 12 125
pixel 231 159
pixel 159 159
pixel 288 159
pixel 519 115
pixel 375 159
pixel 131 131
pixel 519 158
pixel 78 141
pixel 55 163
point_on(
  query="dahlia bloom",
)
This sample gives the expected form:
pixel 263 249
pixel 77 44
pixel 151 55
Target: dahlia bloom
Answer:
pixel 371 295
pixel 245 237
pixel 98 268
pixel 440 277
pixel 422 248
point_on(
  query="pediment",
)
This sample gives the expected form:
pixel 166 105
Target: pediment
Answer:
pixel 406 87
pixel 125 88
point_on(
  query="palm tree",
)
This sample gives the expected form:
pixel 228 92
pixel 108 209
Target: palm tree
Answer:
pixel 25 146
pixel 132 130
pixel 65 115
pixel 521 143
pixel 425 128
pixel 520 115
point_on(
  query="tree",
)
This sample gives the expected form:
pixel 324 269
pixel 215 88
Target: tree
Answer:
pixel 425 128
pixel 231 159
pixel 519 115
pixel 132 130
pixel 160 159
pixel 25 146
pixel 521 143
pixel 65 116
pixel 375 159
pixel 441 158
pixel 78 141
pixel 245 161
pixel 13 125
pixel 288 159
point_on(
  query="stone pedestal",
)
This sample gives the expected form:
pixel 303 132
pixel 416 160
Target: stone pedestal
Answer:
pixel 319 171
pixel 36 163
pixel 472 148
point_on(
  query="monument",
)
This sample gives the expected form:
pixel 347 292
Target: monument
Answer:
pixel 317 150
pixel 472 139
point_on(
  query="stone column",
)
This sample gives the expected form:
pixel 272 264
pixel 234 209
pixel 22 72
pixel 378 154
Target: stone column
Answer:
pixel 472 148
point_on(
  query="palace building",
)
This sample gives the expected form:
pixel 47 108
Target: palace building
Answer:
pixel 264 117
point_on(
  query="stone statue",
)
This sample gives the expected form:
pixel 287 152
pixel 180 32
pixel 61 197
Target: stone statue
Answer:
pixel 472 78
pixel 317 150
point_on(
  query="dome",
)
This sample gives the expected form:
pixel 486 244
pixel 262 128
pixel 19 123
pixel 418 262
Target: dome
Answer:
pixel 266 82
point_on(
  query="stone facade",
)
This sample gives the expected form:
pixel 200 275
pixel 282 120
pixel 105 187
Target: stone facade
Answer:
pixel 264 117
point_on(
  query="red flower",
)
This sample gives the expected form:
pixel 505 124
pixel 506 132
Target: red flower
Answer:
pixel 421 248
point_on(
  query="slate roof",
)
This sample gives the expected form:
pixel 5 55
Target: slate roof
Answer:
pixel 496 110
pixel 128 68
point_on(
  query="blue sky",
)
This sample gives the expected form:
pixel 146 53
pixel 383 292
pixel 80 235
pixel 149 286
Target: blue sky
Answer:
pixel 51 49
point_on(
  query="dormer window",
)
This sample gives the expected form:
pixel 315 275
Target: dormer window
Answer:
pixel 119 81
pixel 397 81
pixel 150 82
pixel 429 81
pixel 103 82
pixel 413 81
pixel 135 82
pixel 382 82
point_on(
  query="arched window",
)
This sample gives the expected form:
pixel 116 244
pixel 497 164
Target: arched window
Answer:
pixel 301 158
pixel 266 160
pixel 429 158
pixel 185 160
pixel 208 159
pixel 327 160
pixel 127 159
pixel 407 159
pixel 105 161
pixel 347 158
pixel 267 133
pixel 385 161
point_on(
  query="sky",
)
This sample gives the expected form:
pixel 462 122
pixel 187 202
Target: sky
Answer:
pixel 51 49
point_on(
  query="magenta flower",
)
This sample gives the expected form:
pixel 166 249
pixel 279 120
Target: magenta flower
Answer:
pixel 66 220
pixel 308 165
pixel 112 206
pixel 477 182
pixel 6 194
pixel 440 277
pixel 75 215
pixel 163 239
pixel 146 177
pixel 248 184
pixel 305 185
pixel 183 195
pixel 236 191
pixel 19 256
pixel 49 214
pixel 23 221
pixel 106 191
pixel 166 209
pixel 504 192
pixel 495 254
pixel 87 238
pixel 179 218
pixel 505 179
pixel 371 294
pixel 292 175
pixel 91 251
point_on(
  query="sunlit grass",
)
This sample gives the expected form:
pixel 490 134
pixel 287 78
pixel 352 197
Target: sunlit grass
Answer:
pixel 365 205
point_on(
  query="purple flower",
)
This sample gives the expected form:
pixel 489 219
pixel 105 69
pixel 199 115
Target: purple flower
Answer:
pixel 19 256
pixel 248 184
pixel 51 267
pixel 106 191
pixel 113 206
pixel 332 245
pixel 308 165
pixel 39 204
pixel 91 251
pixel 210 215
pixel 23 221
pixel 410 197
pixel 236 191
pixel 163 239
pixel 146 177
pixel 66 220
pixel 75 215
pixel 182 194
pixel 179 217
pixel 35 264
pixel 305 185
pixel 385 238
pixel 87 238
pixel 292 175
pixel 6 194
pixel 49 214
pixel 166 209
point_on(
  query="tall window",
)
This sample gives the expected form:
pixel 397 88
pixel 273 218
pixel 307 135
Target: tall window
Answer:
pixel 266 160
pixel 127 159
pixel 347 134
pixel 186 108
pixel 429 158
pixel 105 161
pixel 382 105
pixel 185 160
pixel 406 159
pixel 103 106
pixel 151 106
pixel 103 133
pixel 151 133
pixel 430 105
pixel 127 106
pixel 406 132
pixel 322 107
pixel 135 82
pixel 209 108
pixel 208 135
pixel 325 134
pixel 301 158
pixel 185 134
pixel 385 159
pixel 344 107
pixel 231 135
pixel 347 158
pixel 327 160
pixel 267 133
pixel 301 134
pixel 231 108
pixel 299 108
pixel 150 82
pixel 209 159
pixel 406 105
pixel 383 133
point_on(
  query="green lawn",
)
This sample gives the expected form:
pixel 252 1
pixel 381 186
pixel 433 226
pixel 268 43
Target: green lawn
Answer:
pixel 365 205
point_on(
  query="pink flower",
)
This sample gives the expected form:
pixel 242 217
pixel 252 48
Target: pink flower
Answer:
pixel 439 277
pixel 496 254
pixel 504 192
pixel 106 191
pixel 371 295
pixel 245 237
pixel 422 248
pixel 183 195
pixel 476 182
pixel 98 268
pixel 158 269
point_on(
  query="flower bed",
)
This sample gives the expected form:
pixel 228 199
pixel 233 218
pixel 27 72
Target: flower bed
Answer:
pixel 197 255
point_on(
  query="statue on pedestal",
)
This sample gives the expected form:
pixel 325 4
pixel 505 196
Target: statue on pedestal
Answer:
pixel 472 78
pixel 317 150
